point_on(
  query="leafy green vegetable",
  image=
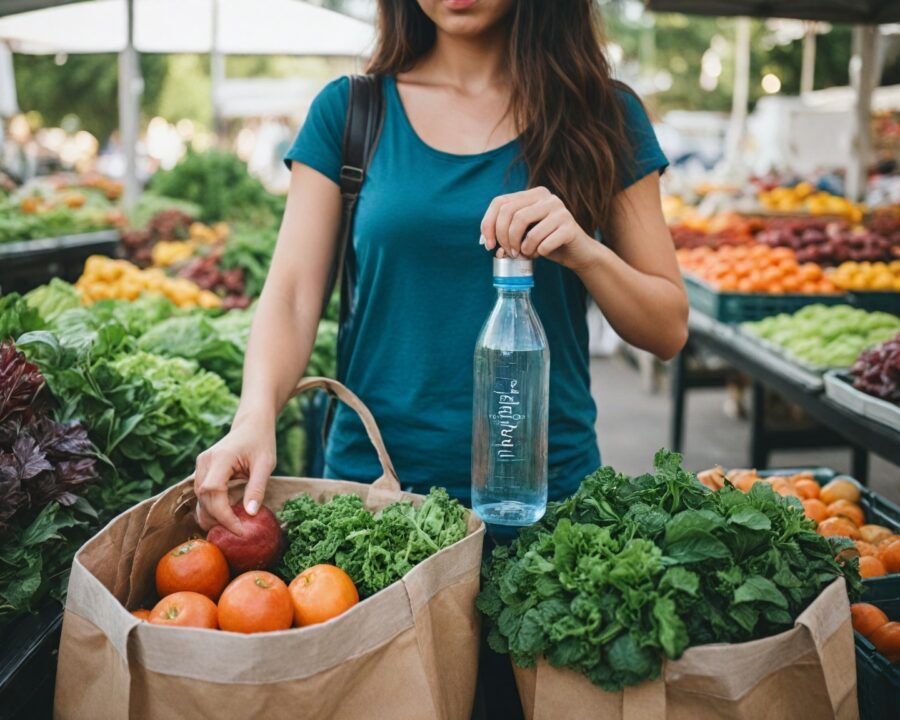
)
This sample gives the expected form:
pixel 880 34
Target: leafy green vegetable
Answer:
pixel 149 416
pixel 35 560
pixel 197 337
pixel 630 570
pixel 217 182
pixel 375 550
pixel 42 465
pixel 52 299
pixel 250 247
pixel 16 317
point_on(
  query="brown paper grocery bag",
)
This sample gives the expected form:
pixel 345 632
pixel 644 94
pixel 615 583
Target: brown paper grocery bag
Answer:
pixel 409 652
pixel 806 672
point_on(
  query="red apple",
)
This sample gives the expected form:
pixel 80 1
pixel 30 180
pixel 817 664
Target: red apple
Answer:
pixel 259 545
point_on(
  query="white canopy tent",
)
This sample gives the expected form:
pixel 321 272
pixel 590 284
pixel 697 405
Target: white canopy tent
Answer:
pixel 242 27
pixel 218 27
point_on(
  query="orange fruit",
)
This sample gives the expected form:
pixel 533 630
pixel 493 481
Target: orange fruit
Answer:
pixel 815 509
pixel 807 489
pixel 194 566
pixel 185 609
pixel 320 593
pixel 838 526
pixel 867 618
pixel 839 489
pixel 874 533
pixel 141 614
pixel 889 554
pixel 849 510
pixel 256 601
pixel 865 548
pixel 886 640
pixel 870 566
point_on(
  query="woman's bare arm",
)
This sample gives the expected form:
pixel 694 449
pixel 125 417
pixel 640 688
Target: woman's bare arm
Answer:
pixel 635 280
pixel 281 340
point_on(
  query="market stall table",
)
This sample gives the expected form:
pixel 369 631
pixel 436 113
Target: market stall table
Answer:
pixel 28 263
pixel 862 434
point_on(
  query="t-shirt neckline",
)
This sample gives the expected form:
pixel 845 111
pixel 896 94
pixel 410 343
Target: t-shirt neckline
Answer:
pixel 455 157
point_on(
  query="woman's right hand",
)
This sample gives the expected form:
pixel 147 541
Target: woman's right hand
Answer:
pixel 247 451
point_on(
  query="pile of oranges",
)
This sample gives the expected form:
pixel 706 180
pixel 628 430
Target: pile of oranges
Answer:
pixel 834 507
pixel 871 622
pixel 755 269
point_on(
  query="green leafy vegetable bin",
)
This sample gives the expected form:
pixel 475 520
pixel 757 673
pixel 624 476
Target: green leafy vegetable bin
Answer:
pixel 630 570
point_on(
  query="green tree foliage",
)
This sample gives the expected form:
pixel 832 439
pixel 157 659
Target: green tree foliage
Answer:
pixel 676 43
pixel 85 86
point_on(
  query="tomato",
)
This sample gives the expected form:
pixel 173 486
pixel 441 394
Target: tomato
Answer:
pixel 141 614
pixel 185 609
pixel 256 601
pixel 838 526
pixel 867 618
pixel 839 489
pixel 889 554
pixel 886 640
pixel 807 489
pixel 195 566
pixel 870 566
pixel 874 533
pixel 815 509
pixel 866 549
pixel 321 593
pixel 847 509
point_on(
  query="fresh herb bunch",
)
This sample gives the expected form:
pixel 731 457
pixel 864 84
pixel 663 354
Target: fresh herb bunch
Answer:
pixel 374 549
pixel 629 570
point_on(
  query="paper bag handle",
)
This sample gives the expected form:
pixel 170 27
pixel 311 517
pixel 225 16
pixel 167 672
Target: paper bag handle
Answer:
pixel 389 480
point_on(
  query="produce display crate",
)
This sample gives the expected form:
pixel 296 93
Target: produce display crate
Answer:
pixel 26 264
pixel 839 388
pixel 877 680
pixel 775 359
pixel 28 650
pixel 883 301
pixel 734 308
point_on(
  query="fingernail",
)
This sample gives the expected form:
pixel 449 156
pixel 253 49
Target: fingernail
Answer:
pixel 482 240
pixel 252 507
pixel 514 253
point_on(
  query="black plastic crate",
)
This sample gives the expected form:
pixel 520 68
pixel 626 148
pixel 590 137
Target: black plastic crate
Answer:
pixel 872 300
pixel 28 652
pixel 735 308
pixel 877 680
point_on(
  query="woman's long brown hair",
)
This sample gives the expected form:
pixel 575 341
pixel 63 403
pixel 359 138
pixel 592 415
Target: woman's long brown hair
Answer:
pixel 564 100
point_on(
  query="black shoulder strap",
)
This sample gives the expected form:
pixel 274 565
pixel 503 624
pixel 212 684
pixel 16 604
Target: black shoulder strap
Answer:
pixel 362 128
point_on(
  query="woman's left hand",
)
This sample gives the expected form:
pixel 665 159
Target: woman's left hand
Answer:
pixel 536 223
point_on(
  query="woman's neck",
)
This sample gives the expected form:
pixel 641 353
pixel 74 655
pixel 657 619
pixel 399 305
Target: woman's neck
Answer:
pixel 470 64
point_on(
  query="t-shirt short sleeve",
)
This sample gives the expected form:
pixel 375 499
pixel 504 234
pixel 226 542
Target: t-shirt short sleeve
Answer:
pixel 318 143
pixel 647 156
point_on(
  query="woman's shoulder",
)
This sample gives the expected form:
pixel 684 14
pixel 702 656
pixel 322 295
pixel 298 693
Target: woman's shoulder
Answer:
pixel 631 103
pixel 332 99
pixel 646 156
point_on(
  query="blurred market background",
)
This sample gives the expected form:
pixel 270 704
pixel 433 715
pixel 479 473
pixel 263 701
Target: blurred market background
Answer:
pixel 141 188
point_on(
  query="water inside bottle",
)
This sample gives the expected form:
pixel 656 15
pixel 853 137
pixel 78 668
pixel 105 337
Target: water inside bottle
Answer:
pixel 509 436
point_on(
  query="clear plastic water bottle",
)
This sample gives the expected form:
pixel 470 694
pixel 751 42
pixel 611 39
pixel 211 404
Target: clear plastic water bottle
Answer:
pixel 512 380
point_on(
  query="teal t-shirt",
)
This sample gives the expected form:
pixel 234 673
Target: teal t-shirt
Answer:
pixel 424 291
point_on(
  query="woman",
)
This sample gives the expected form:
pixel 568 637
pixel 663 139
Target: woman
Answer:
pixel 502 123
